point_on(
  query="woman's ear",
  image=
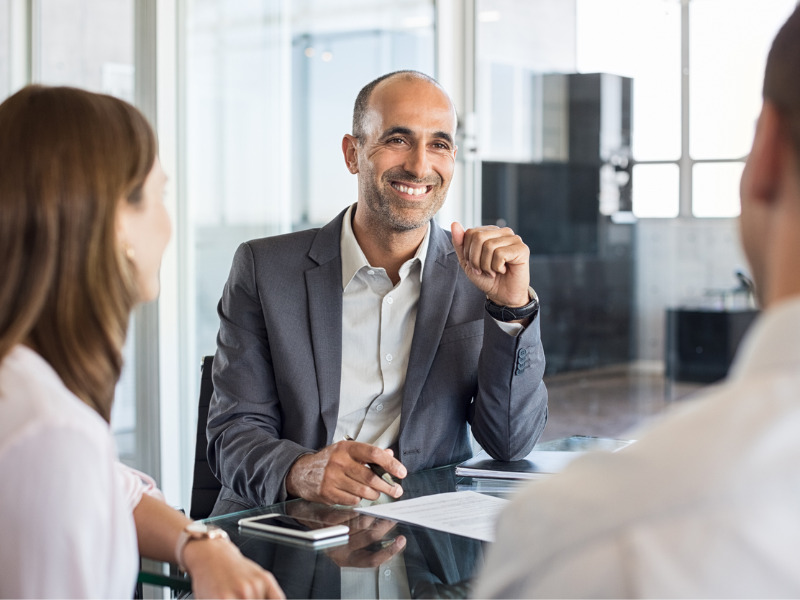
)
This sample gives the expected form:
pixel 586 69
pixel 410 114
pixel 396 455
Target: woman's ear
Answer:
pixel 121 228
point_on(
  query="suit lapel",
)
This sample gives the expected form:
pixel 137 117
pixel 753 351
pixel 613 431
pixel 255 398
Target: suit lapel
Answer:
pixel 324 292
pixel 436 296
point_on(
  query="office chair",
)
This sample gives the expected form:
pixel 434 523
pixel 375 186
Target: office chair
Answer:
pixel 205 486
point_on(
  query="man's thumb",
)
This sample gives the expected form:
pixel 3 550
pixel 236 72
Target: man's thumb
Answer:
pixel 458 236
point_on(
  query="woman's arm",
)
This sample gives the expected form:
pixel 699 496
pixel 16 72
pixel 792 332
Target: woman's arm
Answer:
pixel 217 568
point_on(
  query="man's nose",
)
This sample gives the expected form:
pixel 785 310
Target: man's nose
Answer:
pixel 416 162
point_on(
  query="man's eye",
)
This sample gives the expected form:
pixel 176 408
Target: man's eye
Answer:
pixel 396 140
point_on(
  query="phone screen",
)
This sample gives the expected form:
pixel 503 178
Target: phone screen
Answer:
pixel 287 526
pixel 280 521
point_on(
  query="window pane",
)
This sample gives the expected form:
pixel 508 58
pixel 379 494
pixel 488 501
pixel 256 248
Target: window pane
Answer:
pixel 555 144
pixel 729 42
pixel 655 190
pixel 89 44
pixel 5 48
pixel 522 47
pixel 639 39
pixel 715 189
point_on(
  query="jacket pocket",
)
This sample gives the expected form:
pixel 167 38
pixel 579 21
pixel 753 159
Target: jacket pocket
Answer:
pixel 462 331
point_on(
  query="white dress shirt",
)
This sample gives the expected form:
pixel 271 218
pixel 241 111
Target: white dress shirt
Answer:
pixel 378 320
pixel 705 504
pixel 66 503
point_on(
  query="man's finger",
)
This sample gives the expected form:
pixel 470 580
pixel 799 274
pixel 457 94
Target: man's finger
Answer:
pixel 457 230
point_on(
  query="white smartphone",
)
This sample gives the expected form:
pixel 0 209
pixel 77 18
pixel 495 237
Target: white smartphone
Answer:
pixel 282 525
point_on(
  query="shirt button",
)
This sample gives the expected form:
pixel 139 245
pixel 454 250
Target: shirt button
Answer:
pixel 370 272
pixel 389 358
pixel 389 300
pixel 379 408
pixel 387 573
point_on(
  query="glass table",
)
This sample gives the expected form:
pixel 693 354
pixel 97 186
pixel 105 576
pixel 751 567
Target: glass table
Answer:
pixel 432 564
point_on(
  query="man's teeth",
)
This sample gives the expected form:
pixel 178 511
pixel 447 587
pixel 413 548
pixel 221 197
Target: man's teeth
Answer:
pixel 410 190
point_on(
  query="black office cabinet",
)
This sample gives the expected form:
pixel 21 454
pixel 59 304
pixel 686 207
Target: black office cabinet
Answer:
pixel 582 261
pixel 701 344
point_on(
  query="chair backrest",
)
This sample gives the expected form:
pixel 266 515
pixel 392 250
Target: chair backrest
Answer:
pixel 205 486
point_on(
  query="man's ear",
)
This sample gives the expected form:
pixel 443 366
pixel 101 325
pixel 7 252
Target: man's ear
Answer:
pixel 766 157
pixel 349 149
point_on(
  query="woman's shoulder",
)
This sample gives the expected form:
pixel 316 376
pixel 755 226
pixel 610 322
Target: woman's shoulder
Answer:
pixel 33 398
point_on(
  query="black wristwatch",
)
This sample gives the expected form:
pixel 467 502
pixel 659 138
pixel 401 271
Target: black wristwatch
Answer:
pixel 507 313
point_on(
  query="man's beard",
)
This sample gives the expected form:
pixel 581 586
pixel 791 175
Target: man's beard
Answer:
pixel 390 209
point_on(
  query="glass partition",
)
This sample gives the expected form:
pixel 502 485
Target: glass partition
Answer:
pixel 90 44
pixel 270 88
pixel 605 126
pixel 724 66
pixel 5 48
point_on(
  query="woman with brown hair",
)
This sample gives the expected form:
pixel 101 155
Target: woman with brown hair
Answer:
pixel 82 232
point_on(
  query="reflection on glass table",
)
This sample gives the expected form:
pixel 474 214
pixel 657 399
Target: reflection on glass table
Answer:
pixel 380 558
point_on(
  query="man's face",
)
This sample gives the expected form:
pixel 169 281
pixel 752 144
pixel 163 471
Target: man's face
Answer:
pixel 406 156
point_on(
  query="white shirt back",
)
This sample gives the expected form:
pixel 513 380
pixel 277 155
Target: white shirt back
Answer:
pixel 705 504
pixel 66 502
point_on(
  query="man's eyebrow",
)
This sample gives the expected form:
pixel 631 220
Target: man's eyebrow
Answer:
pixel 397 131
pixel 443 135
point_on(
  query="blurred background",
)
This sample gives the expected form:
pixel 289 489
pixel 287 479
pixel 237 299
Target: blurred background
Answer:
pixel 610 134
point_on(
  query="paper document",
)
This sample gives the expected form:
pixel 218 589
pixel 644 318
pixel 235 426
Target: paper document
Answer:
pixel 469 514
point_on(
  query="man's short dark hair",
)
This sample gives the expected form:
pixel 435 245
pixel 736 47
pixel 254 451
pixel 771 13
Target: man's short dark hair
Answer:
pixel 782 75
pixel 362 100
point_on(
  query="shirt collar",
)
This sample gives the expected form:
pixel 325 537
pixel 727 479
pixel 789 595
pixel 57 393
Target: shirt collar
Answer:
pixel 771 342
pixel 353 258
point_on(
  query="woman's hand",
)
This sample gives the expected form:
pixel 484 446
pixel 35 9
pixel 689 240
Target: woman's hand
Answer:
pixel 219 570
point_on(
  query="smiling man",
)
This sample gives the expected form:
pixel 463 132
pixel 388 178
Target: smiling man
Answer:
pixel 380 337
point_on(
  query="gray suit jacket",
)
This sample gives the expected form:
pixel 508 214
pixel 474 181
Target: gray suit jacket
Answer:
pixel 277 369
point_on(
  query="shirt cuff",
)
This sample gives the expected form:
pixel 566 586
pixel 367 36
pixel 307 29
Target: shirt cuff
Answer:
pixel 511 329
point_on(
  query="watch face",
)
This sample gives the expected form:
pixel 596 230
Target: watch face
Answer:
pixel 197 527
pixel 200 531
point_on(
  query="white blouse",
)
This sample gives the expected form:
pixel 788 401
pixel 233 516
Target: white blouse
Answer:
pixel 66 502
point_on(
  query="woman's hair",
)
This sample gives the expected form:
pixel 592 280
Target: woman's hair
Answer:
pixel 67 159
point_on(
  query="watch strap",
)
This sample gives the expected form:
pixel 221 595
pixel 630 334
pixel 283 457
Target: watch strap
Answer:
pixel 196 531
pixel 514 313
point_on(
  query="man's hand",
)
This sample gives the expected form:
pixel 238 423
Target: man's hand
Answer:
pixel 338 474
pixel 369 544
pixel 496 261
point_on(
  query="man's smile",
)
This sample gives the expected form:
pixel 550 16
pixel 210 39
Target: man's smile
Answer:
pixel 410 189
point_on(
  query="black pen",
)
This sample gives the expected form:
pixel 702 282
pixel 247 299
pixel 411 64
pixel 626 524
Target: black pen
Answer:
pixel 377 469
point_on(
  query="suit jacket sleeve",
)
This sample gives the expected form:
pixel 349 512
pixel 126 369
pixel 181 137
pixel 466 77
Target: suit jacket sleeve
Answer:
pixel 245 419
pixel 510 409
pixel 464 368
